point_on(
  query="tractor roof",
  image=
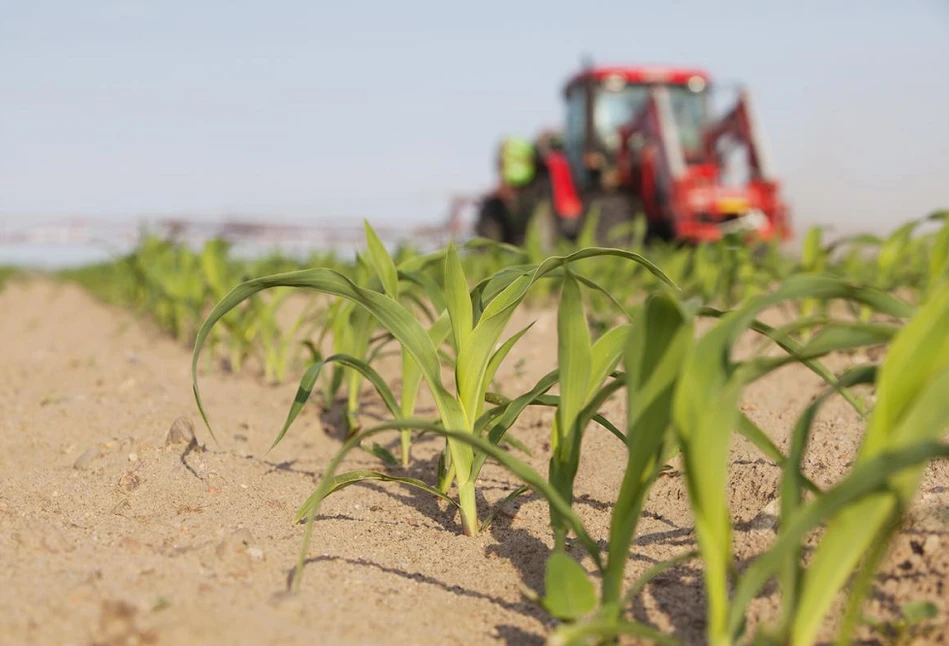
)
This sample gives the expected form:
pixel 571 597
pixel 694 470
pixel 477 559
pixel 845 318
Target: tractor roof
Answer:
pixel 641 74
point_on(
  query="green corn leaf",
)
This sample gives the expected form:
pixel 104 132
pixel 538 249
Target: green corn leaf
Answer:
pixel 344 480
pixel 474 355
pixel 574 354
pixel 657 346
pixel 866 479
pixel 517 493
pixel 491 287
pixel 575 359
pixel 507 412
pixel 417 264
pixel 213 266
pixel 553 401
pixel 458 298
pixel 811 256
pixel 312 373
pixel 511 441
pixel 606 353
pixel 581 633
pixel 393 316
pixel 912 388
pixel 382 453
pixel 421 304
pixel 837 337
pixel 495 362
pixel 939 256
pixel 433 291
pixel 893 247
pixel 919 611
pixel 793 482
pixel 753 433
pixel 608 294
pixel 705 412
pixel 569 592
pixel 412 378
pixel 654 571
pixel 834 337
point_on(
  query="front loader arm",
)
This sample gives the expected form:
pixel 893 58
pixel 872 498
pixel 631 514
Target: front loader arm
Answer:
pixel 661 162
pixel 741 123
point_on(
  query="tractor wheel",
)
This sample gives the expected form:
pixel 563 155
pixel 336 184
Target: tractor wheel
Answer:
pixel 660 232
pixel 615 215
pixel 493 221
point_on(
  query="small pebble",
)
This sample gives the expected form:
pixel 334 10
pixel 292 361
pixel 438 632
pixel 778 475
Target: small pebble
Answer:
pixel 255 553
pixel 181 431
pixel 83 461
pixel 767 518
pixel 133 457
pixel 129 481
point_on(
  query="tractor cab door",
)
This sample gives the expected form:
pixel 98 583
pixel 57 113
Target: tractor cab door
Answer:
pixel 596 110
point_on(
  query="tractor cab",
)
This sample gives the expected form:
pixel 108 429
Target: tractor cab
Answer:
pixel 601 101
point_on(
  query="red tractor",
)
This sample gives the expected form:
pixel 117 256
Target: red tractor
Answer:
pixel 639 140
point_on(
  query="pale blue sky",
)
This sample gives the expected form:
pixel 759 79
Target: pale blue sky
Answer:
pixel 384 109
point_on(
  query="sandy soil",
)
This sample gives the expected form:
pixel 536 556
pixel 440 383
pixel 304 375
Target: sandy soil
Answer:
pixel 109 535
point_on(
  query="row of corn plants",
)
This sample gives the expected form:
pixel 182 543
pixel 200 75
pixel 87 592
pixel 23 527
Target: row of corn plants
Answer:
pixel 626 326
pixel 176 287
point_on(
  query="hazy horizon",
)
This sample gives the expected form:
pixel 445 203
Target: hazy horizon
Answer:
pixel 287 110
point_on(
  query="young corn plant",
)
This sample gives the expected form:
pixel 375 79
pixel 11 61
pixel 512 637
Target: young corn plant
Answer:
pixel 664 377
pixel 278 345
pixel 862 511
pixel 352 328
pixel 352 331
pixel 653 350
pixel 239 326
pixel 476 330
pixel 705 412
pixel 584 366
pixel 938 266
pixel 814 259
pixel 660 362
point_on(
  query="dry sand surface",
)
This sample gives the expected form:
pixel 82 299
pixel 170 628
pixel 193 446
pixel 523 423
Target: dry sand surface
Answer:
pixel 110 535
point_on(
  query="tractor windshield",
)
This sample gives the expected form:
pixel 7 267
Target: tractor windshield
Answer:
pixel 615 108
pixel 689 110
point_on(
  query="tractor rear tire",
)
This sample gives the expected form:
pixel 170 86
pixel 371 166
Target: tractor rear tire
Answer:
pixel 660 231
pixel 493 221
pixel 613 210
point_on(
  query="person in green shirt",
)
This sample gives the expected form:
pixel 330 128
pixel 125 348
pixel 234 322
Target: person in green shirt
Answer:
pixel 517 162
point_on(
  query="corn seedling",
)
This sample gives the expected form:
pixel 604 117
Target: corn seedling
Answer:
pixel 476 329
